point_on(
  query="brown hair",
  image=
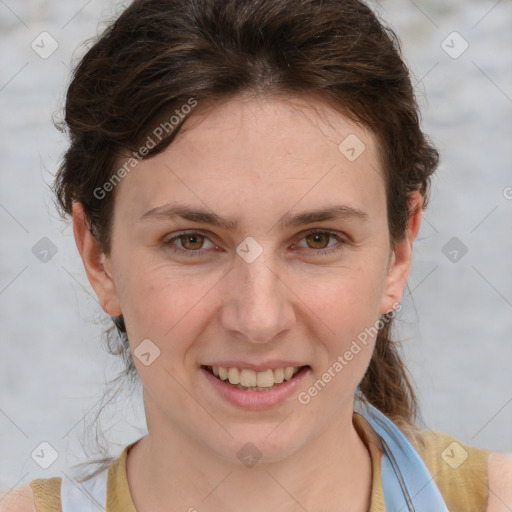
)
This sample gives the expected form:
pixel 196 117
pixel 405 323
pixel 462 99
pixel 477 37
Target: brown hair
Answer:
pixel 158 55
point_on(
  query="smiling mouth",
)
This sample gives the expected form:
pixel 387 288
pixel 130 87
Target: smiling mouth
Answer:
pixel 250 380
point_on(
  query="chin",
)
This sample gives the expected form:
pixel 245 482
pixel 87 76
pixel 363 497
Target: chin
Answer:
pixel 257 443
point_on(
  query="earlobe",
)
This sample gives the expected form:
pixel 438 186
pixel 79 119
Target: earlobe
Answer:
pixel 400 261
pixel 95 263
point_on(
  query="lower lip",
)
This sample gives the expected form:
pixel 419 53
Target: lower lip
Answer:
pixel 256 399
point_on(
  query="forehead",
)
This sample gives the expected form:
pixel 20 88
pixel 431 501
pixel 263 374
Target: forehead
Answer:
pixel 267 152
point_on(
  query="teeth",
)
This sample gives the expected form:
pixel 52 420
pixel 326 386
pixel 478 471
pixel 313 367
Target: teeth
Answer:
pixel 251 379
pixel 288 373
pixel 278 375
pixel 234 376
pixel 248 378
pixel 265 379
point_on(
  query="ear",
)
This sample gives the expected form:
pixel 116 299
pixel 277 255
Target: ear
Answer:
pixel 400 261
pixel 95 262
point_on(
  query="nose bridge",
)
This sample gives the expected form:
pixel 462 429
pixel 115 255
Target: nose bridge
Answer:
pixel 259 306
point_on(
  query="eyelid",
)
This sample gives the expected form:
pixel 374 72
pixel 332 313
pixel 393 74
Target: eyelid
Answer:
pixel 341 239
pixel 312 231
pixel 178 234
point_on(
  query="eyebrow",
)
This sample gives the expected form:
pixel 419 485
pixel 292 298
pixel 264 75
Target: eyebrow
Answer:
pixel 173 211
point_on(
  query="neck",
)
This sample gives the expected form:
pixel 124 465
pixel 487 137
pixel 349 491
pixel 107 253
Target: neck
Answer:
pixel 169 467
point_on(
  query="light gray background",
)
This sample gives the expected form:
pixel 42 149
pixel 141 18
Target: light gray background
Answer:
pixel 456 325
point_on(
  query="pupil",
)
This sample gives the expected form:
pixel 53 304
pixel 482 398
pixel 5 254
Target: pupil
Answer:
pixel 192 239
pixel 317 238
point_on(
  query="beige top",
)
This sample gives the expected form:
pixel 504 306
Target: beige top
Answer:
pixel 461 480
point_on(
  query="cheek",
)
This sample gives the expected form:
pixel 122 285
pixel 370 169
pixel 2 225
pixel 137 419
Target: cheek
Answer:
pixel 167 305
pixel 350 311
pixel 347 299
pixel 172 305
pixel 346 321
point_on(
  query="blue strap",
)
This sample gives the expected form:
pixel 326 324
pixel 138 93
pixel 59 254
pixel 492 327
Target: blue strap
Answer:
pixel 406 481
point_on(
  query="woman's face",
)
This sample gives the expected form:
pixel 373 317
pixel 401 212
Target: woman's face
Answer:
pixel 250 285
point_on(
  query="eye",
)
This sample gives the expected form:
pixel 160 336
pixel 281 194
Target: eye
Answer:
pixel 318 241
pixel 191 243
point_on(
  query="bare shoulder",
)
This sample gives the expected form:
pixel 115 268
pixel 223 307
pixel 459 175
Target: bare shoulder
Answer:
pixel 20 499
pixel 499 474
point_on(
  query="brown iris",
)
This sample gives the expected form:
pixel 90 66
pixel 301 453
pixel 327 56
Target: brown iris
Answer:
pixel 192 241
pixel 317 239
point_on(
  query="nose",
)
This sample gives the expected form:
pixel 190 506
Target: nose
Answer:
pixel 258 305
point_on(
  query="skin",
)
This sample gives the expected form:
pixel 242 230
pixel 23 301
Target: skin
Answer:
pixel 253 159
pixel 311 451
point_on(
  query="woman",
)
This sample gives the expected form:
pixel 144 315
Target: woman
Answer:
pixel 246 180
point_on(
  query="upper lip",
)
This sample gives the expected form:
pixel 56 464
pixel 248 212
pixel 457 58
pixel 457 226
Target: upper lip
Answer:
pixel 257 367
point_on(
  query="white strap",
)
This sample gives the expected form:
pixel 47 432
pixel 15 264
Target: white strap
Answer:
pixel 89 496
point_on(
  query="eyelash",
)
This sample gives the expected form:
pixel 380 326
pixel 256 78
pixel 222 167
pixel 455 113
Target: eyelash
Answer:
pixel 194 253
